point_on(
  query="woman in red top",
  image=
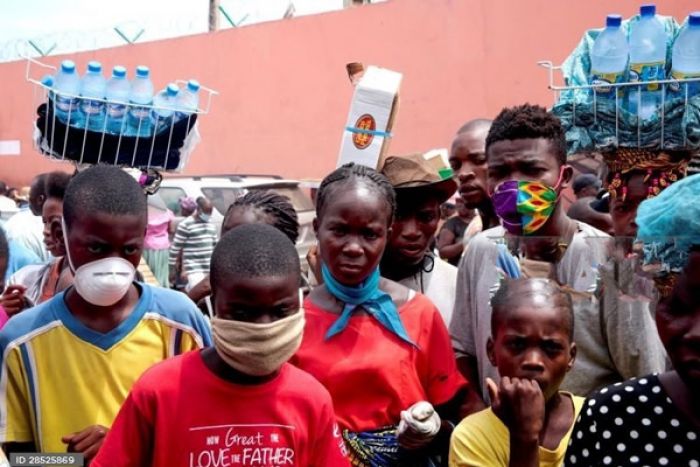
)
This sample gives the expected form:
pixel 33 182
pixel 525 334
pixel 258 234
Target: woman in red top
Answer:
pixel 380 349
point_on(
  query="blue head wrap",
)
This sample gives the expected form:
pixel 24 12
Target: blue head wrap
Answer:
pixel 669 225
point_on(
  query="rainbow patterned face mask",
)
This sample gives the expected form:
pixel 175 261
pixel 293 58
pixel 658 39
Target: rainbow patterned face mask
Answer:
pixel 524 207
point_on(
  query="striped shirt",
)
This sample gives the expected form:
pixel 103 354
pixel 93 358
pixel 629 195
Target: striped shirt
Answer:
pixel 195 239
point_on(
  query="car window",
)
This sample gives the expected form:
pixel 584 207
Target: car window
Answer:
pixel 171 196
pixel 222 197
pixel 299 200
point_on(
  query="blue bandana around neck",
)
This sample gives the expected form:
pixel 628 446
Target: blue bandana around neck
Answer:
pixel 367 295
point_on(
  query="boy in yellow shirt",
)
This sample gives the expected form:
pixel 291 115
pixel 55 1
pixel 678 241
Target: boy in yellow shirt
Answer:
pixel 531 344
pixel 67 365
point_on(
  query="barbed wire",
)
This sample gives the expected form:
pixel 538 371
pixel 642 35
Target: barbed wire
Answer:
pixel 64 42
pixel 235 13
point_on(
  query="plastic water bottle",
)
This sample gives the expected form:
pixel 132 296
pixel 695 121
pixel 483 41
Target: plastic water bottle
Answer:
pixel 47 81
pixel 67 88
pixel 93 86
pixel 609 58
pixel 686 57
pixel 188 100
pixel 164 106
pixel 118 89
pixel 140 97
pixel 647 62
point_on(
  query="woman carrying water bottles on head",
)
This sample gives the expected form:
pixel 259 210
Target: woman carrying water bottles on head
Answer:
pixel 380 349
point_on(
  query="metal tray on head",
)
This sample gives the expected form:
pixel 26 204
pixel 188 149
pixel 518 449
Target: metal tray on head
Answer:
pixel 168 148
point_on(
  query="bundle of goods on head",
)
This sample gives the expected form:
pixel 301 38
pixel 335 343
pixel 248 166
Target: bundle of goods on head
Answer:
pixel 640 56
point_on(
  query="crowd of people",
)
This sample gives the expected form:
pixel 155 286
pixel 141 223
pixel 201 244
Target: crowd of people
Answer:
pixel 513 331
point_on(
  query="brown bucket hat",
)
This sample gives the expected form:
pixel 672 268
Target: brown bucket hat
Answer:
pixel 413 172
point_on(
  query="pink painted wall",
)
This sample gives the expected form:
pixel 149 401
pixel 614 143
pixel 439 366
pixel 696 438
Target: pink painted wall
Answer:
pixel 285 95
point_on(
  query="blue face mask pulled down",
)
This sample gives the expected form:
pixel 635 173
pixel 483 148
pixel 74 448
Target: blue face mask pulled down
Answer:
pixel 367 295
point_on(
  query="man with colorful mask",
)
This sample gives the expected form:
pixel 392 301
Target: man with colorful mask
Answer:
pixel 526 155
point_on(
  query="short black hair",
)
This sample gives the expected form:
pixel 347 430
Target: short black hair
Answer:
pixel 278 207
pixel 254 250
pixel 103 189
pixel 200 202
pixel 355 173
pixel 528 122
pixel 510 289
pixel 475 124
pixel 583 181
pixel 56 184
pixel 3 188
pixel 38 185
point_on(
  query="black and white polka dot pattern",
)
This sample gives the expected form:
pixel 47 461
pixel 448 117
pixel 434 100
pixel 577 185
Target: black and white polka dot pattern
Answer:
pixel 632 424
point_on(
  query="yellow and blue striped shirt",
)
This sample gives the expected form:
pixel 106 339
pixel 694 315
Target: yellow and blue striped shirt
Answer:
pixel 58 377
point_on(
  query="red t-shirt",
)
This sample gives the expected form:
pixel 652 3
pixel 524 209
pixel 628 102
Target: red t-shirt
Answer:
pixel 179 413
pixel 371 373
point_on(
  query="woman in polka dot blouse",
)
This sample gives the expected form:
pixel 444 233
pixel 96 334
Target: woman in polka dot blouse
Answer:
pixel 655 420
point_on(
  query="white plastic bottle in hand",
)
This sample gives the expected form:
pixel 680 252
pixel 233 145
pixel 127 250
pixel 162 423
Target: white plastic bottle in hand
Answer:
pixel 164 106
pixel 140 100
pixel 647 62
pixel 609 58
pixel 188 100
pixel 93 88
pixel 67 88
pixel 685 62
pixel 118 88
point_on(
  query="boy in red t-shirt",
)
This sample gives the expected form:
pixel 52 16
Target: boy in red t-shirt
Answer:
pixel 240 402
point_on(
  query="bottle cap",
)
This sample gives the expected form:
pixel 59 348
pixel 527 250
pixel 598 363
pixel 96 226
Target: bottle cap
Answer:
pixel 694 18
pixel 193 85
pixel 142 71
pixel 647 10
pixel 94 67
pixel 47 81
pixel 613 21
pixel 172 89
pixel 119 71
pixel 68 66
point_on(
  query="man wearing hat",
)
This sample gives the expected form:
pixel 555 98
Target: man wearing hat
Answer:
pixel 421 187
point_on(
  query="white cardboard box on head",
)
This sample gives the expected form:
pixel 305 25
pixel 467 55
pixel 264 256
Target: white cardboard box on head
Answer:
pixel 372 112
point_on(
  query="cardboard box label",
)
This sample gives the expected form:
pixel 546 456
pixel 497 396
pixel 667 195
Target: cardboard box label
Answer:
pixel 372 112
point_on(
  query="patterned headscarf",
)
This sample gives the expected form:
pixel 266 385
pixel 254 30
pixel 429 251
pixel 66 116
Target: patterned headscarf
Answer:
pixel 661 169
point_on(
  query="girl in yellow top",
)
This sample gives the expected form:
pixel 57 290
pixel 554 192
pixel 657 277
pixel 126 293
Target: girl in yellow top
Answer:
pixel 531 344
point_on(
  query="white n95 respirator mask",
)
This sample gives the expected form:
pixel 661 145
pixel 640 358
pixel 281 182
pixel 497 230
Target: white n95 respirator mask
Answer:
pixel 103 282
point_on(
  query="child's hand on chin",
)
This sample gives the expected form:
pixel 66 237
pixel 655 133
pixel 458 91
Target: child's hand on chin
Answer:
pixel 519 403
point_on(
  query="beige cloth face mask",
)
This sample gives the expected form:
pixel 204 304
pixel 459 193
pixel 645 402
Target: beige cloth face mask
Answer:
pixel 258 349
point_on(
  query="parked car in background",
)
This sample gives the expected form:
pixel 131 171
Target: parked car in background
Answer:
pixel 223 190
